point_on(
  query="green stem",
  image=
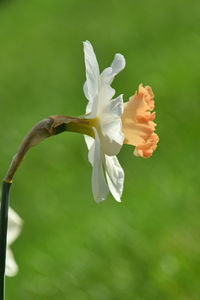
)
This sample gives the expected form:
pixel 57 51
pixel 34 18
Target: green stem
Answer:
pixel 3 234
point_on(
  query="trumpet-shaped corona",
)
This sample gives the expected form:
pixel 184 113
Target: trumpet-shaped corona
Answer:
pixel 138 123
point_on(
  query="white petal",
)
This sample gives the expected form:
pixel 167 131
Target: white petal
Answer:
pixel 90 142
pixel 85 90
pixel 91 86
pixel 11 266
pixel 111 127
pixel 14 226
pixel 105 95
pixel 115 176
pixel 99 187
pixel 91 109
pixel 113 108
pixel 97 107
pixel 117 66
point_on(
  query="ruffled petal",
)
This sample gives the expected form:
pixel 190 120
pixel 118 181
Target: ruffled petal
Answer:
pixel 118 64
pixel 115 176
pixel 14 226
pixel 138 122
pixel 11 266
pixel 110 130
pixel 99 187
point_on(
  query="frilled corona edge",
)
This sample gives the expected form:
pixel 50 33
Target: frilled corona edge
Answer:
pixel 138 123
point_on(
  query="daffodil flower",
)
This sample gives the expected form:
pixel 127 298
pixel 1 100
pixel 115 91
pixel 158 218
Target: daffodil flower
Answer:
pixel 114 123
pixel 107 125
pixel 14 228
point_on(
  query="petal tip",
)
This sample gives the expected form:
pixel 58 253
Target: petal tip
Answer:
pixel 118 63
pixel 85 43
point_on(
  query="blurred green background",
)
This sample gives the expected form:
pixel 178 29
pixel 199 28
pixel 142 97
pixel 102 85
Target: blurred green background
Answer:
pixel 147 247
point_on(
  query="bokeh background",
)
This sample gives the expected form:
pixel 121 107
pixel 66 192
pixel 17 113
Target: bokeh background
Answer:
pixel 147 247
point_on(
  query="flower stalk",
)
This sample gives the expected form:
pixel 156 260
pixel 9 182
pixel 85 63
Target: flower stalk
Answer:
pixel 48 127
pixel 3 234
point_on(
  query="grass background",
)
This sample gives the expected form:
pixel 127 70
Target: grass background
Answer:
pixel 147 247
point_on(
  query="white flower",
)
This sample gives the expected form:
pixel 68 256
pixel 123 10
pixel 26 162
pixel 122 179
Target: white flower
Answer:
pixel 14 228
pixel 106 115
